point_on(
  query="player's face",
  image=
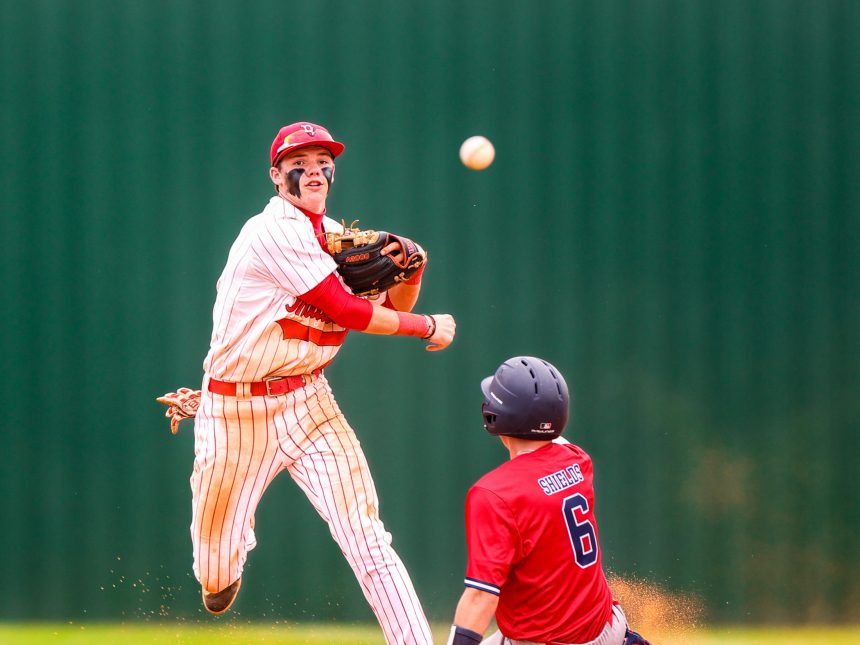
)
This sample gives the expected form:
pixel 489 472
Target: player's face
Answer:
pixel 304 177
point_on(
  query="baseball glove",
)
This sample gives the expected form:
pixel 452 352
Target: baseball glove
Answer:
pixel 363 267
pixel 181 405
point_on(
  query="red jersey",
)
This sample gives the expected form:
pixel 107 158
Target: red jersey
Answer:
pixel 532 540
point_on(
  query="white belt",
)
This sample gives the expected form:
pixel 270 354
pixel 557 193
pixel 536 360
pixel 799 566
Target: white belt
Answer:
pixel 613 633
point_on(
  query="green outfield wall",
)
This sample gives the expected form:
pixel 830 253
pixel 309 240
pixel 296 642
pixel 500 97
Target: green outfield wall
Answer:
pixel 673 218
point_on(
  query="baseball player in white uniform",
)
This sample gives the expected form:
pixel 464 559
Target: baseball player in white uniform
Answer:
pixel 280 316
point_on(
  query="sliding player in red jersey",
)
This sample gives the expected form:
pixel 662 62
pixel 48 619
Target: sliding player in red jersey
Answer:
pixel 534 555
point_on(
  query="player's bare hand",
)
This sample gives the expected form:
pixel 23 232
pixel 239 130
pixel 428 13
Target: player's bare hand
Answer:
pixel 181 405
pixel 396 251
pixel 423 253
pixel 444 334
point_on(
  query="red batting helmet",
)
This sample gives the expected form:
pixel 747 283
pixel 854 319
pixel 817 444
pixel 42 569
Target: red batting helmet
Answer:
pixel 301 135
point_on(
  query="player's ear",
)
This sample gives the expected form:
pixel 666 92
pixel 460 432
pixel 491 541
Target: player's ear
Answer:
pixel 275 175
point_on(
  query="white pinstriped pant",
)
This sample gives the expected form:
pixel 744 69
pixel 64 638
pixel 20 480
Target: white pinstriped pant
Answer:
pixel 613 633
pixel 241 444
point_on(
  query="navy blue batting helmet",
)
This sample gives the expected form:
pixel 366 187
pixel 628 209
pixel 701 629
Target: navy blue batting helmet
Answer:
pixel 527 398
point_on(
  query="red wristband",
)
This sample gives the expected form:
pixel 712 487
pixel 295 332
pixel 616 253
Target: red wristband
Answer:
pixel 414 325
pixel 415 278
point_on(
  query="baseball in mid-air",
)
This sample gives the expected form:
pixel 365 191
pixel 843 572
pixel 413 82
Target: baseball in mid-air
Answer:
pixel 477 152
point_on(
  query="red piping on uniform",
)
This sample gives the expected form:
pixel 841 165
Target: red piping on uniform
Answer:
pixel 293 329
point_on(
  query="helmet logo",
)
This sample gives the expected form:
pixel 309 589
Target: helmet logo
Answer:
pixel 545 426
pixel 307 127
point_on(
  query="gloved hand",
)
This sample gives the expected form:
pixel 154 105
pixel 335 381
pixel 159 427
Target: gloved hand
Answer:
pixel 182 404
pixel 364 267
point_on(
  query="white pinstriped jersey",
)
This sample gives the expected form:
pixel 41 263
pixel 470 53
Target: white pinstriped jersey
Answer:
pixel 260 328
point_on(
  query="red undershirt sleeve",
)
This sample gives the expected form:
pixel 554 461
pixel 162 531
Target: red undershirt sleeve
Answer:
pixel 346 310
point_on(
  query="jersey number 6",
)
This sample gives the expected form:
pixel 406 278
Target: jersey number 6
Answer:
pixel 582 535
